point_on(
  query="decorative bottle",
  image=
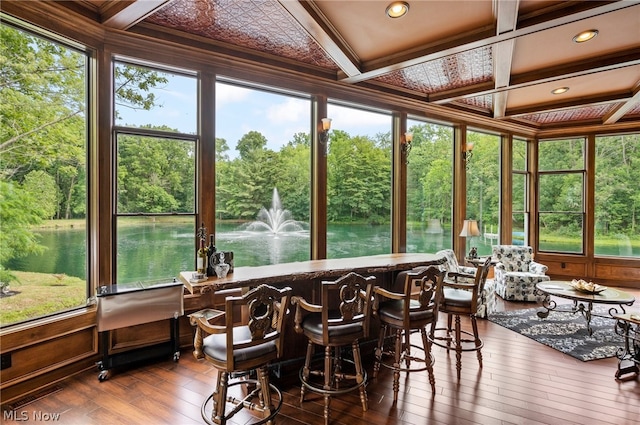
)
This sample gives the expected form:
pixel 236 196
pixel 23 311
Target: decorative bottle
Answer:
pixel 211 252
pixel 202 259
pixel 222 268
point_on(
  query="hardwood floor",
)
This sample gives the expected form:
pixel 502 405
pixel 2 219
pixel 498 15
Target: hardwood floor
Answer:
pixel 522 382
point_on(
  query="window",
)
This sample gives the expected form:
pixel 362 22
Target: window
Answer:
pixel 561 208
pixel 358 182
pixel 155 170
pixel 483 189
pixel 263 175
pixel 617 195
pixel 43 183
pixel 429 187
pixel 519 193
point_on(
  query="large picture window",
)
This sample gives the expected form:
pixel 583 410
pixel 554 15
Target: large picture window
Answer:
pixel 483 188
pixel 263 174
pixel 617 195
pixel 358 182
pixel 519 194
pixel 43 176
pixel 561 209
pixel 155 172
pixel 429 187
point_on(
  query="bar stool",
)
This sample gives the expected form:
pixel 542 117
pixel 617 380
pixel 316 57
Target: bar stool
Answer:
pixel 340 320
pixel 234 348
pixel 403 313
pixel 461 298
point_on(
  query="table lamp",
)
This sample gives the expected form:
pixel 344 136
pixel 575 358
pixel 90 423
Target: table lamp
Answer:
pixel 470 229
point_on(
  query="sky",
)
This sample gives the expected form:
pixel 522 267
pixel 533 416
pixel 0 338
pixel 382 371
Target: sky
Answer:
pixel 240 110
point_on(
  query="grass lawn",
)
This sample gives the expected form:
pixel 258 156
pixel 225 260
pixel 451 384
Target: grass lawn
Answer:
pixel 39 294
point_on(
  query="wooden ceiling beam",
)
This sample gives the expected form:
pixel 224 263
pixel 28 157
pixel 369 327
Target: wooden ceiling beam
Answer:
pixel 620 111
pixel 123 15
pixel 479 38
pixel 560 10
pixel 324 33
pixel 575 69
pixel 570 104
pixel 506 13
pixel 479 89
pixel 557 73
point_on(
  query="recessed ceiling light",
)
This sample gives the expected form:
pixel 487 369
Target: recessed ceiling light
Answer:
pixel 585 36
pixel 397 9
pixel 560 90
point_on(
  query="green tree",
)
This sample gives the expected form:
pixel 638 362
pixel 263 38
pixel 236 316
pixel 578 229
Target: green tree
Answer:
pixel 249 143
pixel 294 178
pixel 617 194
pixel 222 149
pixel 429 183
pixel 359 177
pixel 41 186
pixel 43 92
pixel 19 211
pixel 483 181
pixel 155 175
pixel 133 86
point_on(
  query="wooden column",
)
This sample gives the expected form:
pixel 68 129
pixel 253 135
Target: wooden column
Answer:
pixel 459 190
pixel 318 180
pixel 532 170
pixel 505 224
pixel 398 185
pixel 206 181
pixel 102 175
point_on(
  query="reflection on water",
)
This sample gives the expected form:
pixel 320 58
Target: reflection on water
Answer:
pixel 254 248
pixel 157 251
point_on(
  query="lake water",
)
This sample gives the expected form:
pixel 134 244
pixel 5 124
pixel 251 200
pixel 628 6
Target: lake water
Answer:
pixel 162 250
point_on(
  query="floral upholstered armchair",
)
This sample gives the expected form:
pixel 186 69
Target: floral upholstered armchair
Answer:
pixel 452 264
pixel 516 274
pixel 487 299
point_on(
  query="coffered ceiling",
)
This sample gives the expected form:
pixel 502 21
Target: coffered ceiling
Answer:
pixel 493 58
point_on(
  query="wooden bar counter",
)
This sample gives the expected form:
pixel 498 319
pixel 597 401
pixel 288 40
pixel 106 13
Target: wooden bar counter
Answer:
pixel 304 278
pixel 292 274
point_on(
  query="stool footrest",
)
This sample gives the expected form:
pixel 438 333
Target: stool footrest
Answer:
pixel 403 360
pixel 449 342
pixel 318 387
pixel 245 403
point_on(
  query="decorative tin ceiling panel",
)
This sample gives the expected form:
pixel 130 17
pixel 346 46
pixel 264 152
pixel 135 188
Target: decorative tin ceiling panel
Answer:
pixel 578 114
pixel 635 110
pixel 261 25
pixel 482 102
pixel 451 72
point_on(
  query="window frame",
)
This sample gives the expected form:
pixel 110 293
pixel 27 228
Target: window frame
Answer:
pixel 525 212
pixel 90 148
pixel 596 254
pixel 118 130
pixel 582 172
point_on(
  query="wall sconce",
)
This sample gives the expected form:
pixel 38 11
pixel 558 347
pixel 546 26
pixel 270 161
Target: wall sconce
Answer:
pixel 467 153
pixel 324 133
pixel 406 145
pixel 470 229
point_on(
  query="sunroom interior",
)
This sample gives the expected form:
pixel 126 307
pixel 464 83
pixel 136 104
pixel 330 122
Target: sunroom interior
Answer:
pixel 522 115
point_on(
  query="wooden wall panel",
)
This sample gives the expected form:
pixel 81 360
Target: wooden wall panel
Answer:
pixel 612 272
pixel 39 358
pixel 566 269
pixel 624 275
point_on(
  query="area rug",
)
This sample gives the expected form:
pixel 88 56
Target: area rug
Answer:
pixel 564 331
